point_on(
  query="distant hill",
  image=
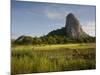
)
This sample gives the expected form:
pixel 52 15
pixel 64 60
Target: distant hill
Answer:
pixel 59 32
pixel 24 40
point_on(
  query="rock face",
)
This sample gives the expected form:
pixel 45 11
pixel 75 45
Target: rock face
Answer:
pixel 73 27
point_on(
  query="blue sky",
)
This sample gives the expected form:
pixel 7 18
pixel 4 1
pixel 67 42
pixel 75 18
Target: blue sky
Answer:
pixel 37 19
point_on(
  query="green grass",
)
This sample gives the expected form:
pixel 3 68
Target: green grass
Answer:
pixel 52 47
pixel 51 58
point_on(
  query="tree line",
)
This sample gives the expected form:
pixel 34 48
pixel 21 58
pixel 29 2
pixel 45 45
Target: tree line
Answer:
pixel 51 39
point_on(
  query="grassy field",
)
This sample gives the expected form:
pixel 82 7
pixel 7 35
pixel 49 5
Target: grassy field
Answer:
pixel 51 58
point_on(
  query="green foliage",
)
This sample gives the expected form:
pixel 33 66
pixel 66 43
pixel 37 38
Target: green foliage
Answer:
pixel 54 37
pixel 36 40
pixel 59 32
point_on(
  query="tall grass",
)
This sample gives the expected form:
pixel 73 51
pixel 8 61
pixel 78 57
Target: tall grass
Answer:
pixel 51 60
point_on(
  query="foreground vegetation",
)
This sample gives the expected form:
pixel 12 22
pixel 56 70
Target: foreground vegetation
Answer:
pixel 51 58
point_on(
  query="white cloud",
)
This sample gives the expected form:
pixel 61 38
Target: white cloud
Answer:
pixel 89 28
pixel 54 14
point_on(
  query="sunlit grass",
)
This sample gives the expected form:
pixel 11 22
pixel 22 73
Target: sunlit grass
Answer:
pixel 51 58
pixel 53 47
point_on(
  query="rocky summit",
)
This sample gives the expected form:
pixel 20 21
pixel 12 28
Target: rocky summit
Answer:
pixel 73 27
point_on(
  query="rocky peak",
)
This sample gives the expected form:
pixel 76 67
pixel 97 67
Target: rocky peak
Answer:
pixel 73 27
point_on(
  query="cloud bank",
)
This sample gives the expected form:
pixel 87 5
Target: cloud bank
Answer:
pixel 90 28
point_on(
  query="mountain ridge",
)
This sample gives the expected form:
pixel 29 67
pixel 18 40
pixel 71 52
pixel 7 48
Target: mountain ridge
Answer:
pixel 72 28
pixel 71 33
